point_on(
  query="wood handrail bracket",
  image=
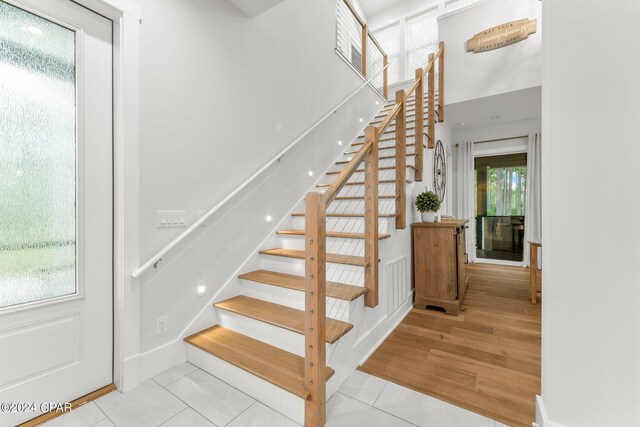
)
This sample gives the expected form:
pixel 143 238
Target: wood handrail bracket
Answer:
pixel 316 205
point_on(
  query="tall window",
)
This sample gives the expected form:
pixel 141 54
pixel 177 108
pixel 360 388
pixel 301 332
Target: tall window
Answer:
pixel 422 39
pixel 389 39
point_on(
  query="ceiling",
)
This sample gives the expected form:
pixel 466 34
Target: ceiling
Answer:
pixel 507 107
pixel 373 7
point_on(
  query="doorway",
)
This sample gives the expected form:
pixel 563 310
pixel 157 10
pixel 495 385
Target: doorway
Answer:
pixel 56 203
pixel 500 194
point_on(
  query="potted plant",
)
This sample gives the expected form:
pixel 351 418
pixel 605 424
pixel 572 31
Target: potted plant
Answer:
pixel 428 204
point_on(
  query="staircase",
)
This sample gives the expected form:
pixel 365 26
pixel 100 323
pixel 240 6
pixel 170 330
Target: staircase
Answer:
pixel 265 339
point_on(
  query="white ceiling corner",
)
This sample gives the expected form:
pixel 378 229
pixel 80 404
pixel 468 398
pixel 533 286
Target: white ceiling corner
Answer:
pixel 253 8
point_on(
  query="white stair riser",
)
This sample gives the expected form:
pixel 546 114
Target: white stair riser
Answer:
pixel 333 245
pixel 276 336
pixel 357 206
pixel 340 309
pixel 272 396
pixel 383 175
pixel 348 274
pixel 381 162
pixel 383 153
pixel 358 190
pixel 351 225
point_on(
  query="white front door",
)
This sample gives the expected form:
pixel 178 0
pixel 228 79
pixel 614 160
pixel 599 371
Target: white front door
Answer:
pixel 56 333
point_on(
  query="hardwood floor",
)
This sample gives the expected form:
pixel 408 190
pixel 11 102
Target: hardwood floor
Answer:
pixel 486 360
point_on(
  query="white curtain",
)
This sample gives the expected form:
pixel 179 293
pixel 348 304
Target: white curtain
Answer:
pixel 533 204
pixel 466 208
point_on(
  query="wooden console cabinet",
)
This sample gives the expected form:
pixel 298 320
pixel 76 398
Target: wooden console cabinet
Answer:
pixel 439 257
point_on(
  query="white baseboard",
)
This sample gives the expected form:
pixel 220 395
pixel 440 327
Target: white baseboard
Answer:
pixel 159 359
pixel 542 419
pixel 405 312
pixel 130 374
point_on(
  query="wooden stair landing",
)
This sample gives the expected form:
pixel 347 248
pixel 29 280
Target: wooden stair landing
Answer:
pixel 299 254
pixel 279 367
pixel 296 283
pixel 279 315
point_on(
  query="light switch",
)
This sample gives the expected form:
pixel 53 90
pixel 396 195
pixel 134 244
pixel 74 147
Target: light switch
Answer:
pixel 171 219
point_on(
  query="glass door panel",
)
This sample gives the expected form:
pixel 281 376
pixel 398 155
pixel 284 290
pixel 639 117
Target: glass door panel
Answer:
pixel 37 158
pixel 500 206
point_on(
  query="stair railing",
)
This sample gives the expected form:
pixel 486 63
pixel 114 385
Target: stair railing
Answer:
pixel 316 205
pixel 366 53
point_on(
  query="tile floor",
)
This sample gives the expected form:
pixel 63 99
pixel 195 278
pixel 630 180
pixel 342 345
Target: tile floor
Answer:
pixel 187 396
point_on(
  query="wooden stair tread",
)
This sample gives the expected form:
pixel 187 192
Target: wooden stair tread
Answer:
pixel 383 181
pixel 380 196
pixel 389 138
pixel 344 162
pixel 279 315
pixel 348 215
pixel 385 168
pixel 335 234
pixel 279 367
pixel 407 128
pixel 392 147
pixel 296 283
pixel 334 258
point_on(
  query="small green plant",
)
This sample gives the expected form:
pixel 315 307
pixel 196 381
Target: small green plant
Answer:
pixel 427 202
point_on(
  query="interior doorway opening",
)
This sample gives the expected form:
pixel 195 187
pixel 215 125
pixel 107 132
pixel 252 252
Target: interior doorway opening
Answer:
pixel 500 195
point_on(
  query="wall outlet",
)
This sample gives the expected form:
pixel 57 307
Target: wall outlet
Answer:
pixel 171 219
pixel 162 325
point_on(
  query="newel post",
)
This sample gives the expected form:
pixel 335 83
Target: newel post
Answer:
pixel 441 84
pixel 401 161
pixel 371 218
pixel 364 50
pixel 431 134
pixel 419 123
pixel 385 88
pixel 315 411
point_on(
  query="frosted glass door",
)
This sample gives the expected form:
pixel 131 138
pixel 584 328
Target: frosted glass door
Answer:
pixel 37 158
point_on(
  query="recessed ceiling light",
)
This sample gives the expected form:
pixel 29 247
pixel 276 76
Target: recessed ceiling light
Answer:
pixel 377 102
pixel 310 173
pixel 495 117
pixel 339 142
pixel 201 289
pixel 361 120
pixel 34 30
pixel 268 218
pixel 461 123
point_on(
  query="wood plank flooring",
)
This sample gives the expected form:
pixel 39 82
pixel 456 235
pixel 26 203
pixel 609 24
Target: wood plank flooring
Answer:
pixel 486 360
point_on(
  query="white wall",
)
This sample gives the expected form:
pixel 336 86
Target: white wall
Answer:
pixel 476 75
pixel 221 95
pixel 590 152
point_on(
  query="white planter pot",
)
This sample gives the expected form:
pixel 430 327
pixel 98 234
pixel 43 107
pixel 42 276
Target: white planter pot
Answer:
pixel 429 216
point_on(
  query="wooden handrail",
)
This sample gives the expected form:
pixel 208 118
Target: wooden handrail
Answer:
pixel 373 39
pixel 346 173
pixel 354 12
pixel 431 106
pixel 389 118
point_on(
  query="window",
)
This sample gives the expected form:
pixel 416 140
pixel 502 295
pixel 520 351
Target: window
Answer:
pixel 452 5
pixel 422 39
pixel 389 39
